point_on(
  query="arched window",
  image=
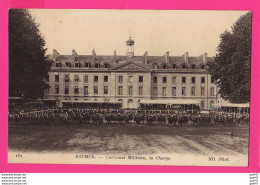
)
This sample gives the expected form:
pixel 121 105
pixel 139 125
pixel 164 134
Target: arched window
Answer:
pixel 130 104
pixel 184 66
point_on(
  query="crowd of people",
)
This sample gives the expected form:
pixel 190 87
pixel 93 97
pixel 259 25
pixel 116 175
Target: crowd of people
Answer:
pixel 99 116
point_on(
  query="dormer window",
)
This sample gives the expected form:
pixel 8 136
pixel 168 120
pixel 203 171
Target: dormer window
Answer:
pixel 174 66
pixel 106 65
pixel 164 66
pixel 77 65
pixel 202 66
pixel 97 65
pixel 87 65
pixel 183 66
pixel 193 66
pixel 58 64
pixel 155 66
pixel 68 64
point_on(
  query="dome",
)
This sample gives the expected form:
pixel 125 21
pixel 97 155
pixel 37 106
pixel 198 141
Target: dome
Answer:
pixel 130 41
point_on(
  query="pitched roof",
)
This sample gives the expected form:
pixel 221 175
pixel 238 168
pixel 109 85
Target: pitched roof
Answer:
pixel 115 61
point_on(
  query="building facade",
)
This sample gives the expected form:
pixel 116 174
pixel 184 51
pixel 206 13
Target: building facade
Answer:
pixel 129 79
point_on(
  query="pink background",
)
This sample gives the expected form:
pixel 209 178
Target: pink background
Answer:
pixel 253 5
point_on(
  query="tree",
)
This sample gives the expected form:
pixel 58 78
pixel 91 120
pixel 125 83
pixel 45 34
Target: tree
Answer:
pixel 28 63
pixel 232 65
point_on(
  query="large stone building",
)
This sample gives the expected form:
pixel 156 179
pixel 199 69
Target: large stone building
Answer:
pixel 130 79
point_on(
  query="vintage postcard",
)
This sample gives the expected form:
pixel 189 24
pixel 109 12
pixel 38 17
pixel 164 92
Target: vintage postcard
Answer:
pixel 129 87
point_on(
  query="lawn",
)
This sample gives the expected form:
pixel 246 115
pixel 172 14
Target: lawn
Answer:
pixel 129 139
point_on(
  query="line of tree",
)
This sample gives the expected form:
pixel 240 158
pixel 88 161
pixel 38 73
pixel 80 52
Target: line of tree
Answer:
pixel 232 65
pixel 28 63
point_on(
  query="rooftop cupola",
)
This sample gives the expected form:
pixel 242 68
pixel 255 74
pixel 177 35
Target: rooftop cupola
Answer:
pixel 130 47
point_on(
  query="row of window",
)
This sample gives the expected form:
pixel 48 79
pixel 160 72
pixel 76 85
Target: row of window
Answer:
pixel 96 79
pixel 183 80
pixel 130 79
pixel 106 65
pixel 173 66
pixel 79 65
pixel 140 90
pixel 183 91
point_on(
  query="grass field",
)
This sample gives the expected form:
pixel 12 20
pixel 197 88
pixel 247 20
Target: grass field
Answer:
pixel 129 139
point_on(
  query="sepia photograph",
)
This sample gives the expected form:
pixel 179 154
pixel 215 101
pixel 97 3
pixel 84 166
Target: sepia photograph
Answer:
pixel 129 87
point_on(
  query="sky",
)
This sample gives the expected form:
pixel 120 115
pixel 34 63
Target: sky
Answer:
pixel 155 31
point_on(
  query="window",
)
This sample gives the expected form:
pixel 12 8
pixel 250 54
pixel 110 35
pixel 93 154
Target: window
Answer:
pixel 120 90
pixel 212 91
pixel 105 89
pixel 77 65
pixel 173 91
pixel 141 79
pixel 68 64
pixel 130 90
pixel 202 91
pixel 67 79
pixel 76 90
pixel 174 66
pixel 164 91
pixel 105 78
pixel 174 80
pixel 193 66
pixel 85 90
pixel 164 79
pixel 183 80
pixel 57 78
pixel 95 89
pixel 66 90
pixel 95 79
pixel 183 66
pixel 193 80
pixel 202 105
pixel 131 79
pixel 140 92
pixel 202 66
pixel 164 66
pixel 106 65
pixel 211 80
pixel 155 79
pixel 97 65
pixel 57 89
pixel 76 78
pixel 58 64
pixel 211 104
pixel 183 91
pixel 193 91
pixel 120 79
pixel 155 90
pixel 87 65
pixel 86 78
pixel 202 80
pixel 47 91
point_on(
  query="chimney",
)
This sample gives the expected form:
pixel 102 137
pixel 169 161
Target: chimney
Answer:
pixel 205 56
pixel 145 57
pixel 186 56
pixel 115 55
pixel 55 53
pixel 74 53
pixel 93 52
pixel 167 57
